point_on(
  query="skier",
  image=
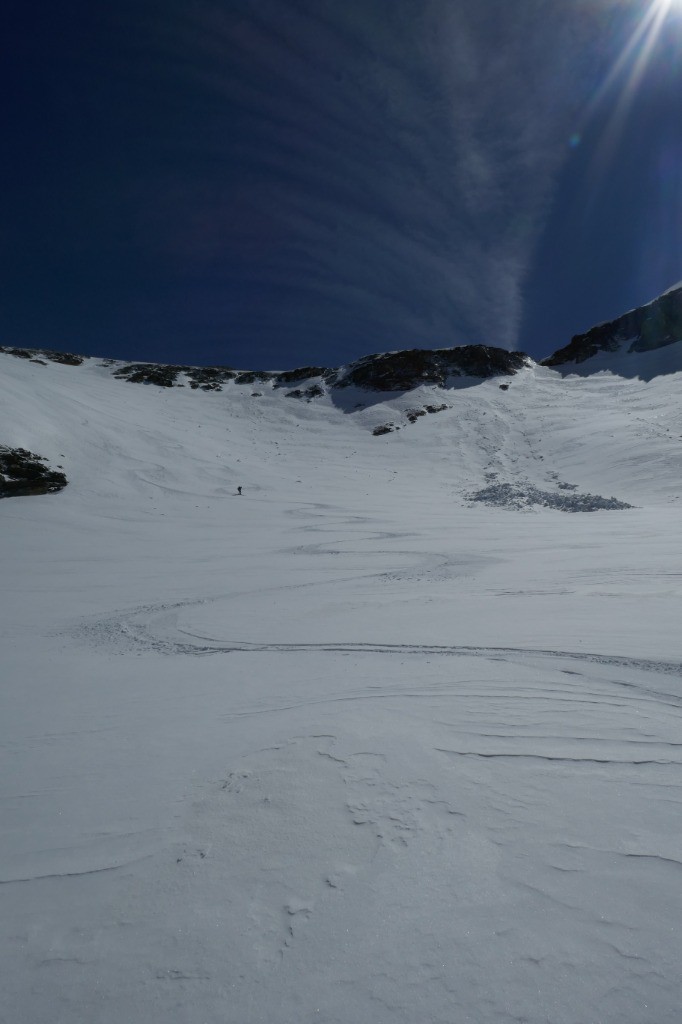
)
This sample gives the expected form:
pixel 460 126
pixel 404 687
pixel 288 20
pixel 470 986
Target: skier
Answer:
pixel 239 490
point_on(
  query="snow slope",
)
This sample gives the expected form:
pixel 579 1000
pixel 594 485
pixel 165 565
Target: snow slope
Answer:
pixel 352 747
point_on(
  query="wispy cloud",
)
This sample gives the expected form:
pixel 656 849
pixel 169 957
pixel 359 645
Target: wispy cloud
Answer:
pixel 368 174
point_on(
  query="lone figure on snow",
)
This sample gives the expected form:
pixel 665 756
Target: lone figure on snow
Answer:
pixel 239 490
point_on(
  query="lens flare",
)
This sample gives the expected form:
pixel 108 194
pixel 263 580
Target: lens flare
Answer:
pixel 652 49
pixel 627 74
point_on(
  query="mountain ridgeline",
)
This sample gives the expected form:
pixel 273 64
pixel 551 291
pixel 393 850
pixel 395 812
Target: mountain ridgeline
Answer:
pixel 656 325
pixel 386 371
pixel 653 326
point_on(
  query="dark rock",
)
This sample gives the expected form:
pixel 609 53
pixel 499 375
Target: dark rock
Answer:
pixel 20 353
pixel 67 358
pixel 34 353
pixel 402 371
pixel 24 473
pixel 209 378
pixel 253 376
pixel 150 373
pixel 385 428
pixel 504 387
pixel 649 327
pixel 306 393
pixel 302 373
pixel 388 371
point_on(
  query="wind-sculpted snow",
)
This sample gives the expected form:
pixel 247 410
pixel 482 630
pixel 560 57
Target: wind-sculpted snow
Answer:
pixel 161 629
pixel 293 730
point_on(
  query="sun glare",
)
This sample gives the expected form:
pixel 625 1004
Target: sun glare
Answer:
pixel 628 72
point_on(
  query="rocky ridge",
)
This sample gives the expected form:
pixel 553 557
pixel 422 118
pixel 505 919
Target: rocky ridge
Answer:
pixel 384 371
pixel 653 326
pixel 402 371
pixel 649 327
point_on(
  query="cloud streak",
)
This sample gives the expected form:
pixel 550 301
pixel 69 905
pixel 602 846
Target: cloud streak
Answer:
pixel 366 175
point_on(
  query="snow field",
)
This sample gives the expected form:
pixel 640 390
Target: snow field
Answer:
pixel 345 748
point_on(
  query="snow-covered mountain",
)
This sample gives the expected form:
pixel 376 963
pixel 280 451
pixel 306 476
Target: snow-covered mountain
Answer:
pixel 388 736
pixel 645 342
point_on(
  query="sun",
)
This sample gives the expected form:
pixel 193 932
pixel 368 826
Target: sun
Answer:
pixel 662 8
pixel 627 73
pixel 638 50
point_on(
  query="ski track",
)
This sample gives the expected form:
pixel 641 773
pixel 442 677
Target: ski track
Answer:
pixel 129 630
pixel 333 751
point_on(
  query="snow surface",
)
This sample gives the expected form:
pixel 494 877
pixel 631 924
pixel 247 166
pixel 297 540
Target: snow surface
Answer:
pixel 645 366
pixel 350 747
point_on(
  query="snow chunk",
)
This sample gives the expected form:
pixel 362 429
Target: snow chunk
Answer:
pixel 519 496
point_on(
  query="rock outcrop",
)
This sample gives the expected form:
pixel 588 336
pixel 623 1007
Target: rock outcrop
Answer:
pixel 649 327
pixel 23 472
pixel 385 371
pixel 210 378
pixel 38 355
pixel 402 371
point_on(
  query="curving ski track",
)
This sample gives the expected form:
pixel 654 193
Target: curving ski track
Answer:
pixel 148 628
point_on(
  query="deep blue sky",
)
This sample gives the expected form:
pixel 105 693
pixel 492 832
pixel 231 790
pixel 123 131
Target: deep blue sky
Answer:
pixel 278 182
